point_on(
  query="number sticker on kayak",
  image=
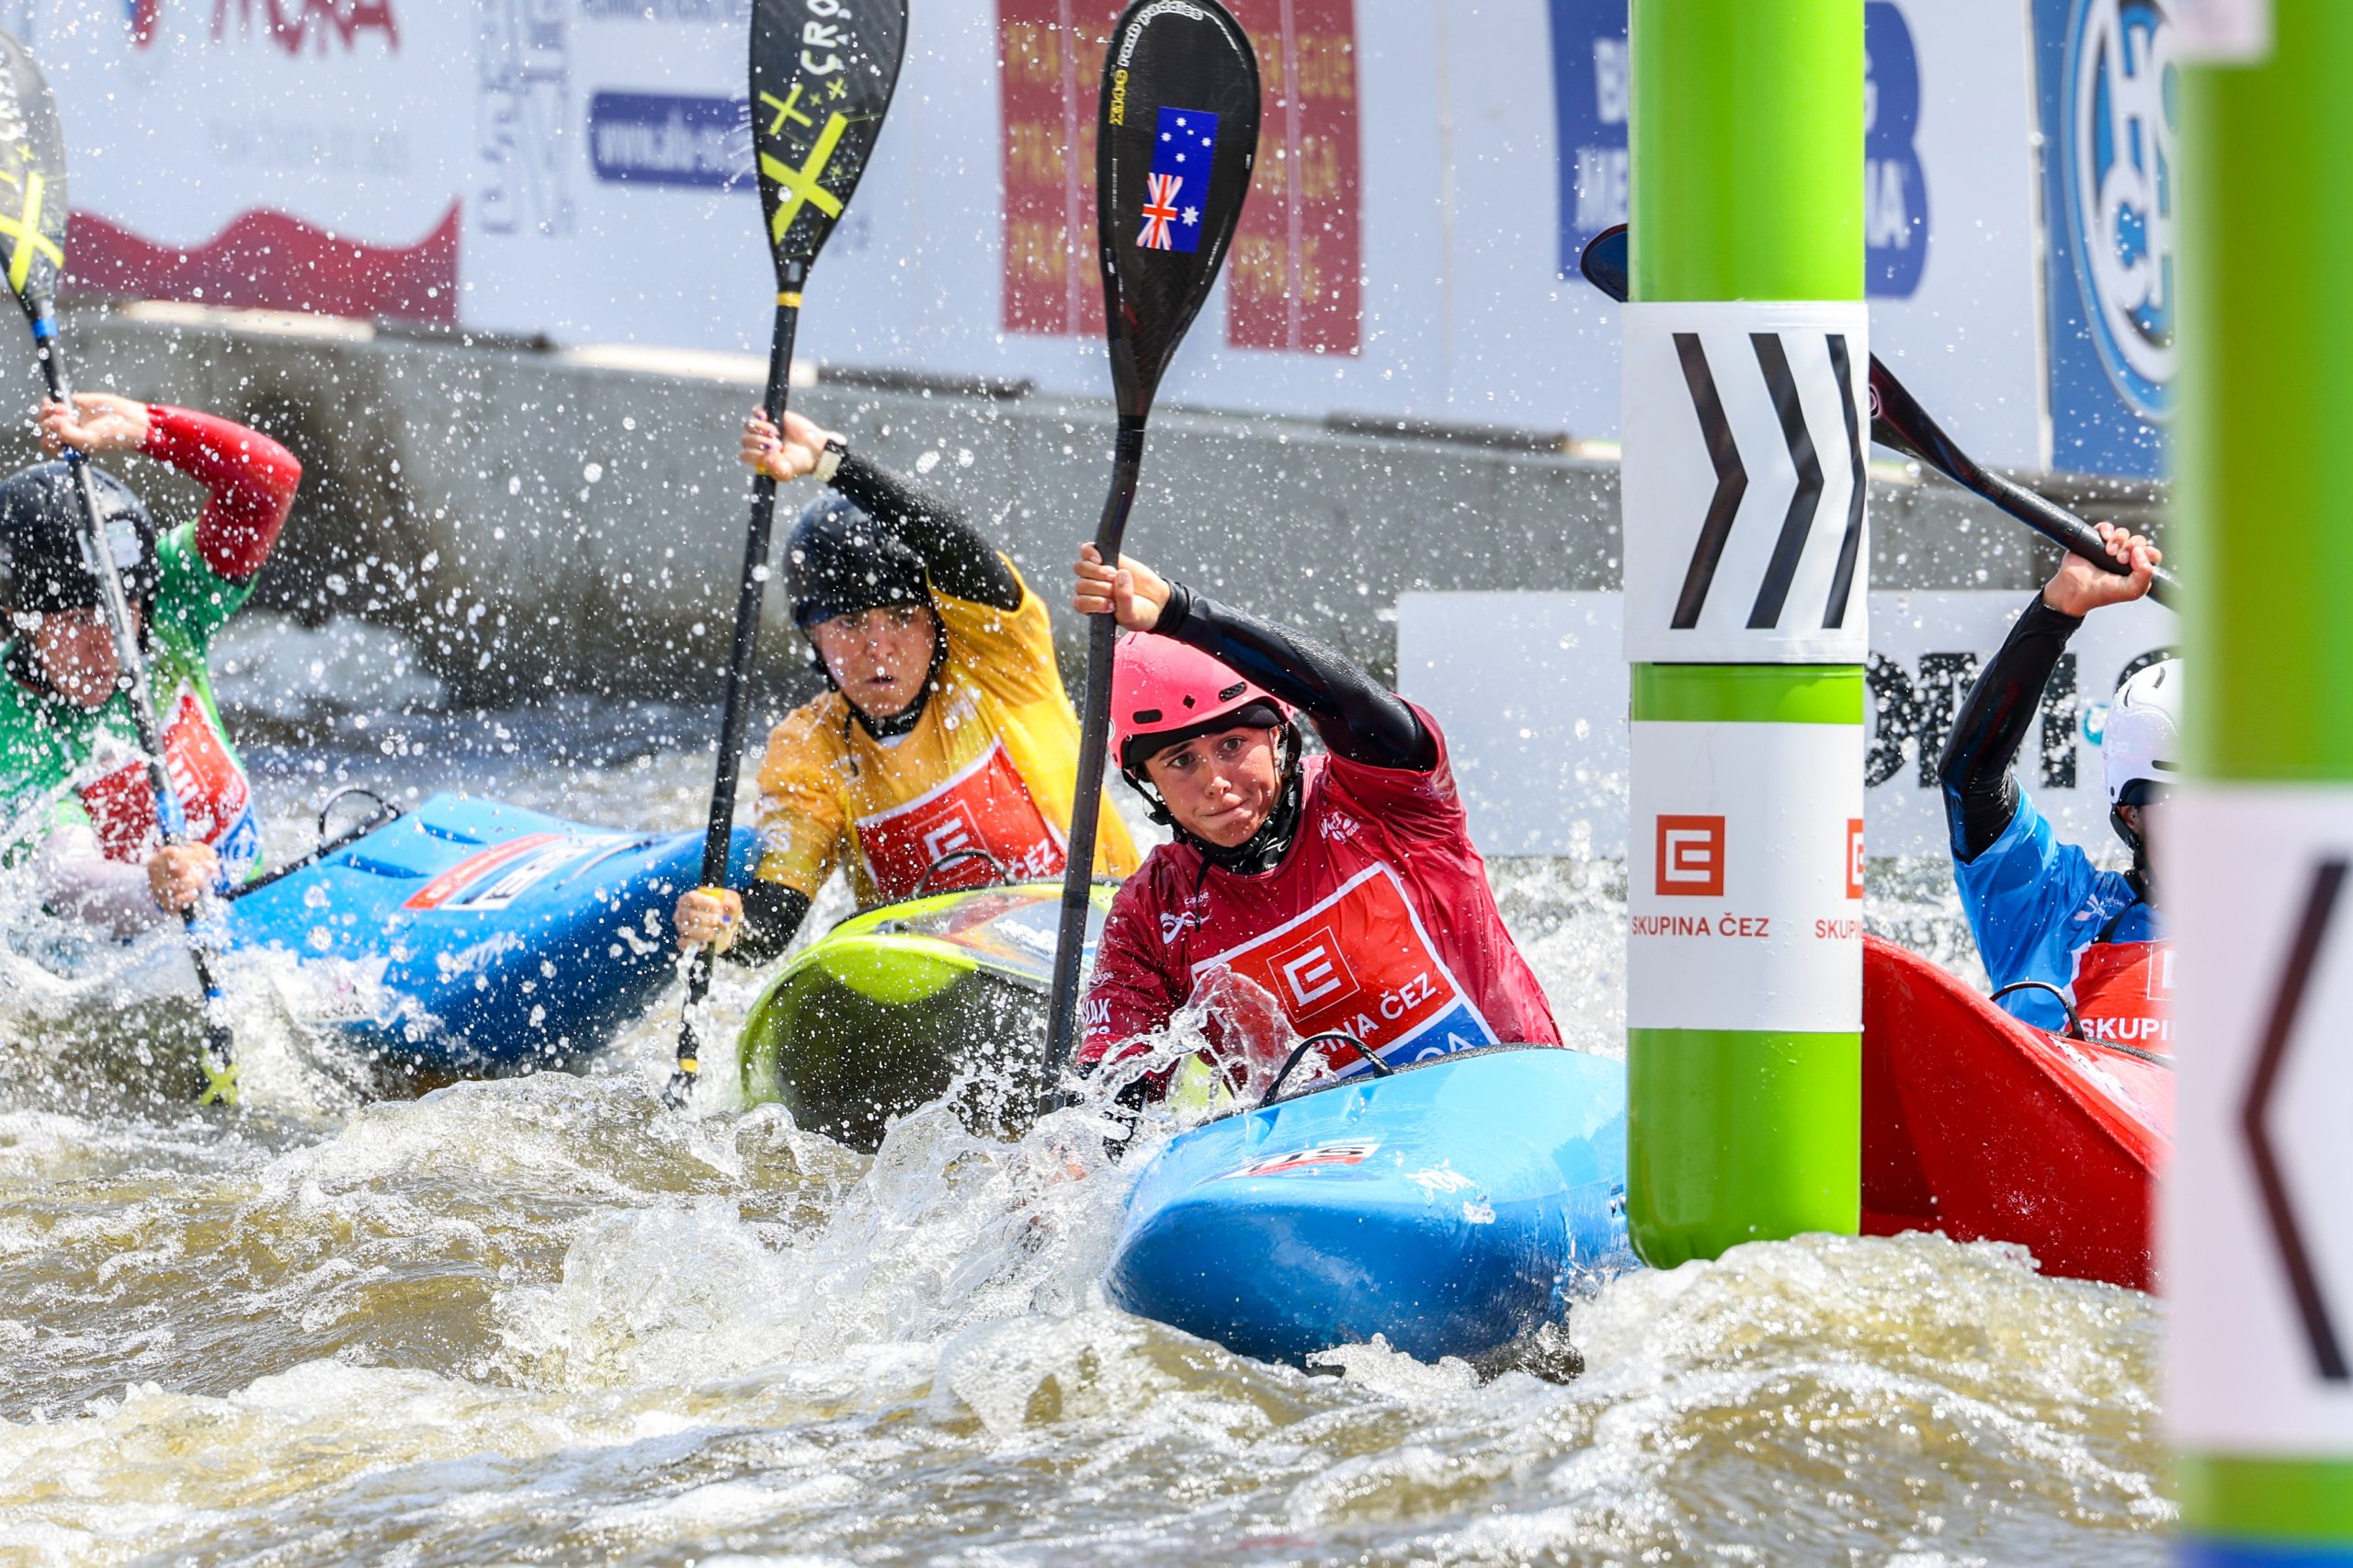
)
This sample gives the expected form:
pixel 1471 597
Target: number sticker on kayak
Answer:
pixel 1352 1153
pixel 495 876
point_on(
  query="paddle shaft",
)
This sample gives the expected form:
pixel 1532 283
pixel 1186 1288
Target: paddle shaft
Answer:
pixel 718 836
pixel 132 672
pixel 1900 422
pixel 1094 737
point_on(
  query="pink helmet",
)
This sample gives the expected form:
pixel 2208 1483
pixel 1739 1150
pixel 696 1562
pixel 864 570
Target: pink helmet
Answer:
pixel 1164 691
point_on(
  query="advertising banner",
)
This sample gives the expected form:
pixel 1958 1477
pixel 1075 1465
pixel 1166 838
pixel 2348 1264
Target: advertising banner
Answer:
pixel 263 152
pixel 2109 103
pixel 1532 694
pixel 1949 200
pixel 578 169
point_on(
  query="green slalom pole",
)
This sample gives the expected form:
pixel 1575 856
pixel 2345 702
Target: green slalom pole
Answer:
pixel 1746 568
pixel 2252 853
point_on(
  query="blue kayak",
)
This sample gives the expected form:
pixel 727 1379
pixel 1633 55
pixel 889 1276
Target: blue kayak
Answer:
pixel 467 936
pixel 1450 1207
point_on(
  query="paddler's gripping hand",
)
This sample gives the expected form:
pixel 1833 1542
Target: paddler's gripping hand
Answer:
pixel 711 917
pixel 1133 592
pixel 98 423
pixel 2078 587
pixel 180 874
pixel 784 455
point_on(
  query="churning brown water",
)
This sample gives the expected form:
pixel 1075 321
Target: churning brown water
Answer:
pixel 547 1320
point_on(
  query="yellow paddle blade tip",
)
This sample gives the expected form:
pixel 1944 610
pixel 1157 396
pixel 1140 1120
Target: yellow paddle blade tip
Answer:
pixel 220 1084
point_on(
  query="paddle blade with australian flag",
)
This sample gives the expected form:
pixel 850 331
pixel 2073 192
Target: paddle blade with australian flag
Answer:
pixel 822 72
pixel 1176 137
pixel 32 181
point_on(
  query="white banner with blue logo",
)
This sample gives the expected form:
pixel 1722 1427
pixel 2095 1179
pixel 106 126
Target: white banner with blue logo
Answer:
pixel 576 169
pixel 1947 198
pixel 2109 96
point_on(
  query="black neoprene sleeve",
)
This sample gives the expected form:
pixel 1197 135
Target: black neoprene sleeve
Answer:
pixel 1976 770
pixel 1356 717
pixel 962 561
pixel 772 913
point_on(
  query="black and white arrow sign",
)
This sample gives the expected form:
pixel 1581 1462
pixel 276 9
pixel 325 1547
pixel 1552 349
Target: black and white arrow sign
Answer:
pixel 2289 1216
pixel 1745 483
pixel 2256 1254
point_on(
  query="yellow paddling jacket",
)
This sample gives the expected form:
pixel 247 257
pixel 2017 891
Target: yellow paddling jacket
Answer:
pixel 989 766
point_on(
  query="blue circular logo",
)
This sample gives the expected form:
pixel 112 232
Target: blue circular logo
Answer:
pixel 2119 116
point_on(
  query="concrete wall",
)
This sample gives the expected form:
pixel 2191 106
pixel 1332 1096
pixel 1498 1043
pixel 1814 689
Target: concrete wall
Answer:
pixel 542 519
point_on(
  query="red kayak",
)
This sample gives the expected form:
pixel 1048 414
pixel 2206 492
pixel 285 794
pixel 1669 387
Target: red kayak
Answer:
pixel 1986 1128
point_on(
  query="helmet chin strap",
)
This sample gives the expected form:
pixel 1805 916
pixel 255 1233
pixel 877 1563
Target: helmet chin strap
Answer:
pixel 2140 875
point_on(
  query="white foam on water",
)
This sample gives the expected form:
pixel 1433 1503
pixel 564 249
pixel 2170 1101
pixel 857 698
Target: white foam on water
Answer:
pixel 547 1318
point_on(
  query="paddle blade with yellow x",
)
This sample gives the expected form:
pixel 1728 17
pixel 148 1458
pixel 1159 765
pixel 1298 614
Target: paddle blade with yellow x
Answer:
pixel 822 72
pixel 32 181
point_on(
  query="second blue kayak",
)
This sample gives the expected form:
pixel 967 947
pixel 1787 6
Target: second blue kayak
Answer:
pixel 1451 1207
pixel 469 936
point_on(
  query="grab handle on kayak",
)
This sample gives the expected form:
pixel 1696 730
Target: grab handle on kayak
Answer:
pixel 385 812
pixel 923 884
pixel 1380 1069
pixel 2075 1020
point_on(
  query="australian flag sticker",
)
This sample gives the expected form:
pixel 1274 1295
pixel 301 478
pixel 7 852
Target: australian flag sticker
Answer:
pixel 1181 154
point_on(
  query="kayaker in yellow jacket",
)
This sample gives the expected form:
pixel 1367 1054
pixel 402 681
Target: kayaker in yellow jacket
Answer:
pixel 942 756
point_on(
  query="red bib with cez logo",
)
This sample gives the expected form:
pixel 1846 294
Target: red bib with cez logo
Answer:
pixel 984 807
pixel 205 781
pixel 1360 963
pixel 2124 993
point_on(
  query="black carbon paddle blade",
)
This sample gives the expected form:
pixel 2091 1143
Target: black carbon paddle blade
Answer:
pixel 821 86
pixel 32 180
pixel 1176 136
pixel 1604 263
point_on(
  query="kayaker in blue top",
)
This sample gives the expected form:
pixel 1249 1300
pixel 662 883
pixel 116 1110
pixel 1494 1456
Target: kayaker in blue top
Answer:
pixel 2042 912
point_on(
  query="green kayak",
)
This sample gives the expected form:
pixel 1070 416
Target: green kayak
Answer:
pixel 897 1006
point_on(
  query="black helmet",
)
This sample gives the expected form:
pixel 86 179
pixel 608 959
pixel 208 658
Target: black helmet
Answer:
pixel 839 562
pixel 41 540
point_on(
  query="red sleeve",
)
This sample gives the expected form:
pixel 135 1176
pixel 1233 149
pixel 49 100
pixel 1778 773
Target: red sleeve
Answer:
pixel 251 478
pixel 1425 805
pixel 1130 996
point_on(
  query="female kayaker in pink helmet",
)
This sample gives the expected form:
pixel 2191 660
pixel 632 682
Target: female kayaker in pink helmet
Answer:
pixel 1302 895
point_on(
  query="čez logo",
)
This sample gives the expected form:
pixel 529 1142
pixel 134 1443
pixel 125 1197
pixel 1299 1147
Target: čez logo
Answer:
pixel 1691 856
pixel 1313 967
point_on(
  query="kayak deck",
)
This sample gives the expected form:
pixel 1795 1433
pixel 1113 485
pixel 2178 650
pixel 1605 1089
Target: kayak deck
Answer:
pixel 900 1005
pixel 1986 1128
pixel 1451 1207
pixel 469 936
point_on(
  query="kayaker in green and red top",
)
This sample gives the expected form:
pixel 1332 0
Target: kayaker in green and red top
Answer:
pixel 2041 910
pixel 77 813
pixel 1302 895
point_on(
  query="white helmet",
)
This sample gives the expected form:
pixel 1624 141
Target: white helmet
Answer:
pixel 2142 745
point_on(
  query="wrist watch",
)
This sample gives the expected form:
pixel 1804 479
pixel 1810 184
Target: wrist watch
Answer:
pixel 829 462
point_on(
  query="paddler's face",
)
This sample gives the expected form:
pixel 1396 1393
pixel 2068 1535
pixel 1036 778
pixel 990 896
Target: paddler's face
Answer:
pixel 76 651
pixel 879 658
pixel 1220 788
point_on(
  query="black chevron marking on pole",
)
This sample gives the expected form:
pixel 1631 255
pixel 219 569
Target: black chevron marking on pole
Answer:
pixel 1774 360
pixel 1731 481
pixel 2279 1032
pixel 1842 581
